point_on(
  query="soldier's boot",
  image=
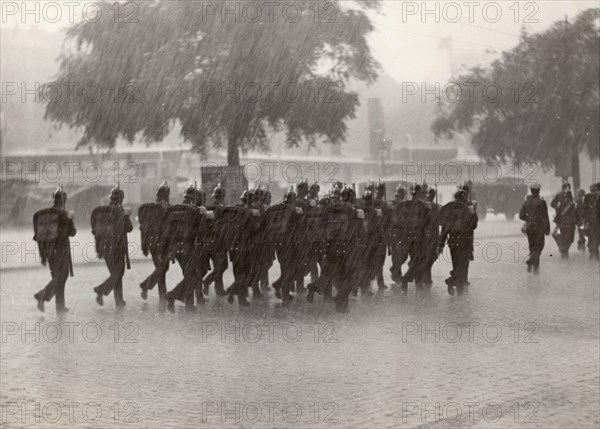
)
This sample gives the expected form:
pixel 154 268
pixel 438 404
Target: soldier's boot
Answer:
pixel 277 287
pixel 242 299
pixel 529 267
pixel 219 287
pixel 536 269
pixel 341 304
pixel 62 310
pixel 450 284
pixel 310 296
pixel 40 302
pixel 300 285
pixel 200 296
pixel 170 303
pixel 264 281
pixel 355 290
pixel 256 293
pixel 99 297
pixel 205 286
pixel 380 282
pixel 144 287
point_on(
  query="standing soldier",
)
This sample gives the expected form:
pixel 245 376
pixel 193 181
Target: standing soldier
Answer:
pixel 535 214
pixel 110 225
pixel 52 228
pixel 217 251
pixel 458 224
pixel 152 224
pixel 566 221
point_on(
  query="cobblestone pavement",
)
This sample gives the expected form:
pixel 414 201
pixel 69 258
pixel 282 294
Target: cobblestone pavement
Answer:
pixel 517 351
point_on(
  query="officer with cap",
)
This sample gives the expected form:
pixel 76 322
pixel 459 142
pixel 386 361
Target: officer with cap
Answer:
pixel 537 224
pixel 52 229
pixel 110 225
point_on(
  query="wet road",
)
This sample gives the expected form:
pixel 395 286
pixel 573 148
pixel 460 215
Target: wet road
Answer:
pixel 517 351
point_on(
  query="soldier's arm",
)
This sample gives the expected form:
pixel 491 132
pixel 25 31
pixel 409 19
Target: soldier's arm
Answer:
pixel 523 213
pixel 554 203
pixel 546 219
pixel 71 228
pixel 128 224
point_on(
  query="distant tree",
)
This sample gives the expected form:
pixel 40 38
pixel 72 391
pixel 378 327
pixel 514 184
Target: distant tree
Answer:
pixel 167 62
pixel 549 102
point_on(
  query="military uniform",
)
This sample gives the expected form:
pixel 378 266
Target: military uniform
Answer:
pixel 535 213
pixel 566 221
pixel 282 231
pixel 152 218
pixel 52 229
pixel 217 252
pixel 458 224
pixel 110 225
pixel 183 224
pixel 411 219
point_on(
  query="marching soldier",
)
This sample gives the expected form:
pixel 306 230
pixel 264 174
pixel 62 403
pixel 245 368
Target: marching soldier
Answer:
pixel 580 208
pixel 458 224
pixel 283 221
pixel 381 204
pixel 369 257
pixel 52 229
pixel 265 253
pixel 559 199
pixel 217 251
pixel 535 214
pixel 241 225
pixel 110 225
pixel 413 219
pixel 432 236
pixel 342 229
pixel 592 225
pixel 179 243
pixel 566 222
pixel 152 224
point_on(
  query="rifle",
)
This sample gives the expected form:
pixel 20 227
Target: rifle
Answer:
pixel 64 203
pixel 127 261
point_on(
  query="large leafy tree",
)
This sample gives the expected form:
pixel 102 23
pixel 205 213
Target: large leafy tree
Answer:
pixel 227 79
pixel 549 102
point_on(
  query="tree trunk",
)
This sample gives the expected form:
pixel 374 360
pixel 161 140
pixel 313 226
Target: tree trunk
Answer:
pixel 233 150
pixel 575 165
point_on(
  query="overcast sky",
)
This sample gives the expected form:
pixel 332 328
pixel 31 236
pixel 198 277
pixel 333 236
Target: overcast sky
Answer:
pixel 407 38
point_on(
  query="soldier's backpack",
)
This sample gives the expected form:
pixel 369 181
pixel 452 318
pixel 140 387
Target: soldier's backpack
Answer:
pixel 180 229
pixel 337 222
pixel 232 228
pixel 280 224
pixel 108 227
pixel 454 217
pixel 312 226
pixel 151 217
pixel 48 229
